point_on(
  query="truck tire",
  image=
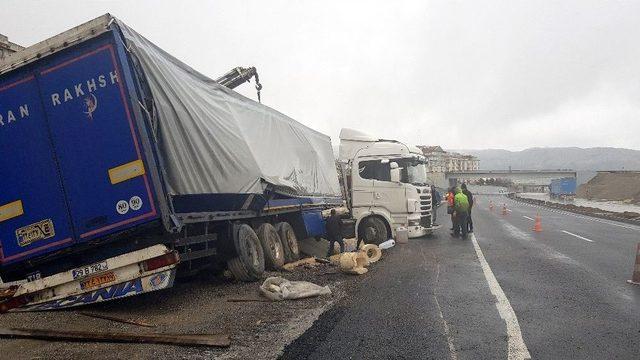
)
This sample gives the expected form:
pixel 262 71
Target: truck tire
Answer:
pixel 289 241
pixel 238 270
pixel 249 252
pixel 373 230
pixel 271 246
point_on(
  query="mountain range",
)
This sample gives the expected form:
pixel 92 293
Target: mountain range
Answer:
pixel 580 159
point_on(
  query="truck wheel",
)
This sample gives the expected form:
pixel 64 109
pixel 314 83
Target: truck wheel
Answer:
pixel 238 270
pixel 289 242
pixel 271 246
pixel 249 252
pixel 373 231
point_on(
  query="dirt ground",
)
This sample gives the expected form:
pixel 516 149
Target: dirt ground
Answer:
pixel 616 186
pixel 258 330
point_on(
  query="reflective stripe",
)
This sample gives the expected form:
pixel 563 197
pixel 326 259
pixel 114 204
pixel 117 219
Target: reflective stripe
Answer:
pixel 125 172
pixel 11 210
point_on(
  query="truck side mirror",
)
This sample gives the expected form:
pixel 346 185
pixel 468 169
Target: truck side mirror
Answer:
pixel 394 172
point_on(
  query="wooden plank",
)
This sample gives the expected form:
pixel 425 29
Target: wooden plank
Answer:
pixel 117 319
pixel 292 265
pixel 248 300
pixel 151 338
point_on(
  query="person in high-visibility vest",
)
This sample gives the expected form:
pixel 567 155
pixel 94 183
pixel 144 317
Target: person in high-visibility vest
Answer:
pixel 461 210
pixel 450 203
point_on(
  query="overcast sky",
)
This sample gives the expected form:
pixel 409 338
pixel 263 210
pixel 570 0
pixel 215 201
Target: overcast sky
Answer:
pixel 461 74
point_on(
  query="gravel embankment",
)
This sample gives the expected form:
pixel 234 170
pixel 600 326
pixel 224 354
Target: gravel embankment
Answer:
pixel 258 330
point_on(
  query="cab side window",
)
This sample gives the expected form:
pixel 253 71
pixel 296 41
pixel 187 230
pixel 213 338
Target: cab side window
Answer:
pixel 374 169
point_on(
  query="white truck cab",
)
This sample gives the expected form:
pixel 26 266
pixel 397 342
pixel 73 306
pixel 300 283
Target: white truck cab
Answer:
pixel 385 185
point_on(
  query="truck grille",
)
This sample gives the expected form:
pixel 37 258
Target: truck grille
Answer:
pixel 425 204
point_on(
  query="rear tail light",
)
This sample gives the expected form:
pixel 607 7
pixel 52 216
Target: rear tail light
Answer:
pixel 161 261
pixel 14 302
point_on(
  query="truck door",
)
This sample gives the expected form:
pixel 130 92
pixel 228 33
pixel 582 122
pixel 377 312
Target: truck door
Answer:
pixel 391 196
pixel 103 171
pixel 33 212
pixel 362 182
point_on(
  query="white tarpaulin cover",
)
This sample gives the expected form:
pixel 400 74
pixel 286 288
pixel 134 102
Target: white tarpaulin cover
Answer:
pixel 214 140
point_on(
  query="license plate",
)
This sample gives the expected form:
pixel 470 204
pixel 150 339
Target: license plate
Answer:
pixel 89 270
pixel 98 280
pixel 35 232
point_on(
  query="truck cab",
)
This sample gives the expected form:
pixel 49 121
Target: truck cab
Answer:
pixel 385 185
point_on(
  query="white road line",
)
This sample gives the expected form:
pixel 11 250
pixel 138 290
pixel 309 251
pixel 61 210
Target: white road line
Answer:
pixel 526 217
pixel 578 236
pixel 517 349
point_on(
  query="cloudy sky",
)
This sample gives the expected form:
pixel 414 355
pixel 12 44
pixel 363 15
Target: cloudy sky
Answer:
pixel 461 74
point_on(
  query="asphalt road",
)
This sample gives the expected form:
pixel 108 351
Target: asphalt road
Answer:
pixel 562 291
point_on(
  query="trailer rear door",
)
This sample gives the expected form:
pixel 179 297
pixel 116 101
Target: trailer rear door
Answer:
pixel 95 140
pixel 33 213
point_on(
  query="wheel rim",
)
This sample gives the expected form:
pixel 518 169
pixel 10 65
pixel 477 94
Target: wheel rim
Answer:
pixel 252 252
pixel 275 246
pixel 250 249
pixel 291 240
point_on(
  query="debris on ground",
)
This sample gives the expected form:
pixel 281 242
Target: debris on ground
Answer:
pixel 292 265
pixel 319 247
pixel 335 259
pixel 354 263
pixel 373 252
pixel 278 289
pixel 117 319
pixel 92 336
pixel 387 244
pixel 248 299
pixel 258 329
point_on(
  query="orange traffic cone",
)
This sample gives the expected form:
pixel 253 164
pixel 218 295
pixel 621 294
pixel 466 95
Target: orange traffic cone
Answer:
pixel 504 209
pixel 635 278
pixel 538 226
pixel 491 205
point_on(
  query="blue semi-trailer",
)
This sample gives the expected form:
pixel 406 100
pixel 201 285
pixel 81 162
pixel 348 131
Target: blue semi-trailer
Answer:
pixel 121 164
pixel 563 188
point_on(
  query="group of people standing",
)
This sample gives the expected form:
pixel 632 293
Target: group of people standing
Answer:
pixel 459 205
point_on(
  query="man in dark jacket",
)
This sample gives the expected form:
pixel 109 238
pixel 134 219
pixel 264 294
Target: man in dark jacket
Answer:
pixel 334 232
pixel 470 197
pixel 435 202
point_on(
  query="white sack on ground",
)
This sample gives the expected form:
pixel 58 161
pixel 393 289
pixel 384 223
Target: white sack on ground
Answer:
pixel 278 289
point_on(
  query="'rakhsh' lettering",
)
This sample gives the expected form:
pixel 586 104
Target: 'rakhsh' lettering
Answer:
pixel 81 89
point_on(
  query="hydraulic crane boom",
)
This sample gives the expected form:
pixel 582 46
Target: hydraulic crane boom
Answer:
pixel 238 76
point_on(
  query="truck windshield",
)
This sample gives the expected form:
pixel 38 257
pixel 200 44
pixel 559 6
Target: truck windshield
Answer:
pixel 413 172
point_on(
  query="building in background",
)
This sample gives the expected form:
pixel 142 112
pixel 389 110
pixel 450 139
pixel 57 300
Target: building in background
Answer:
pixel 7 47
pixel 444 161
pixel 441 162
